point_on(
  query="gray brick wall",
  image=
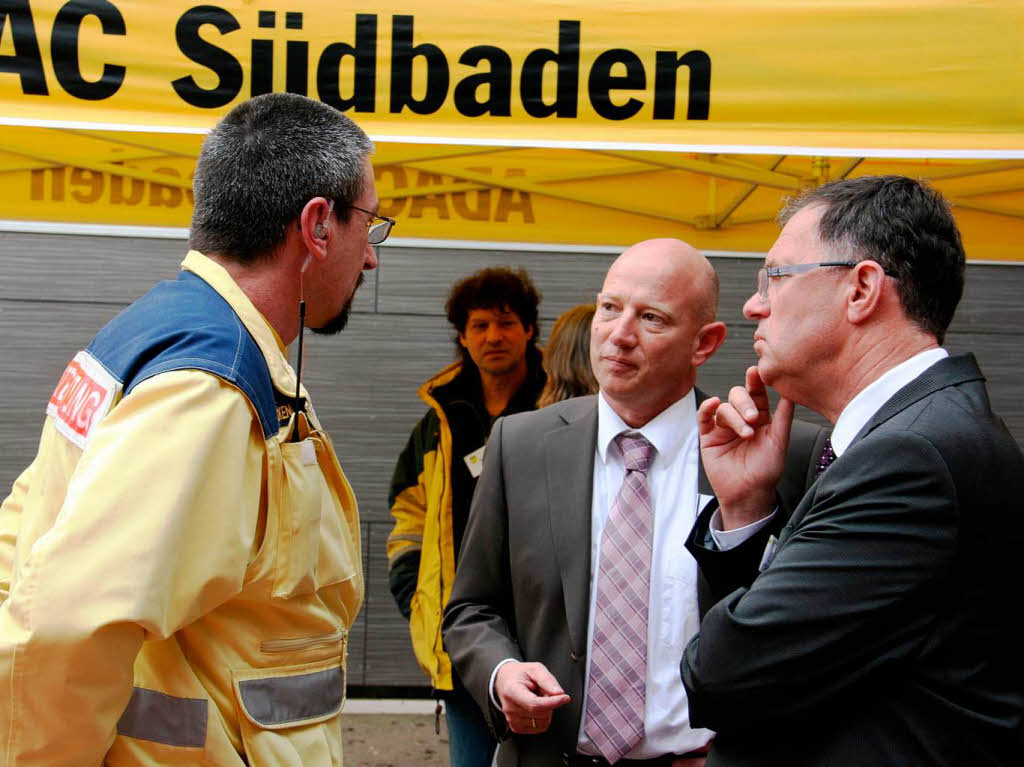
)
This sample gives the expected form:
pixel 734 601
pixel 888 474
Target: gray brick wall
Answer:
pixel 57 290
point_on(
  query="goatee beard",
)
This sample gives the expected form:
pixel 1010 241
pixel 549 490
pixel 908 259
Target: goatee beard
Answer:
pixel 340 320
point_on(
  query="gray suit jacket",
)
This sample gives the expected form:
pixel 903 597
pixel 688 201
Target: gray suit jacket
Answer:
pixel 522 588
pixel 884 631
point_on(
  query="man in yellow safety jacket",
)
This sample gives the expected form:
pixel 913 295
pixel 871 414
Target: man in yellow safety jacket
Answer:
pixel 494 315
pixel 180 564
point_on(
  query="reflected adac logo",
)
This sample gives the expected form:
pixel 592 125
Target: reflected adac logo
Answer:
pixel 88 186
pixel 499 205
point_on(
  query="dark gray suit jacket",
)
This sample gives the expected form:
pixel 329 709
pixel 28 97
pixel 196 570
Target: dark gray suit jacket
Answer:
pixel 884 631
pixel 522 588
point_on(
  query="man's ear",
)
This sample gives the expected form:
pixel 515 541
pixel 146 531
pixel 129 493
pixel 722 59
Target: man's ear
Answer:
pixel 314 228
pixel 709 339
pixel 865 291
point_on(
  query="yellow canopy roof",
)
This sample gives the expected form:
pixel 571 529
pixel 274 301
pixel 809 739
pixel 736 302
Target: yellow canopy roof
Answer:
pixel 540 122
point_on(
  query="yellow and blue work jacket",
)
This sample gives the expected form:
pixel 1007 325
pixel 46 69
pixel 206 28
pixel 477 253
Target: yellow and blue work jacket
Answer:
pixel 177 578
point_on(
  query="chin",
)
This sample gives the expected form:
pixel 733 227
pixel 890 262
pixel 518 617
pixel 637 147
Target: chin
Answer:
pixel 336 324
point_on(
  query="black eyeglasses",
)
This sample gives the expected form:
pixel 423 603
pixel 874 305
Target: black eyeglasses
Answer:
pixel 377 227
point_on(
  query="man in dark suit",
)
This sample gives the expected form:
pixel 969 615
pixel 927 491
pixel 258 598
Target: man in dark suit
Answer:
pixel 528 625
pixel 881 629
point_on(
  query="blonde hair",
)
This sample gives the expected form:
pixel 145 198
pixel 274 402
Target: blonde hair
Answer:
pixel 567 357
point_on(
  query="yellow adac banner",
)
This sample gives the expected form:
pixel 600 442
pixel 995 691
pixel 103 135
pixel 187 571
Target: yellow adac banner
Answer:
pixel 828 77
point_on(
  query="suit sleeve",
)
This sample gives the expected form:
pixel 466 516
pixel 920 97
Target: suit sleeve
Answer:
pixel 849 592
pixel 726 571
pixel 408 502
pixel 478 621
pixel 156 529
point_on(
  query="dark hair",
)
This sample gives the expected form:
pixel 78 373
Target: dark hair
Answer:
pixel 263 162
pixel 567 357
pixel 904 225
pixel 497 288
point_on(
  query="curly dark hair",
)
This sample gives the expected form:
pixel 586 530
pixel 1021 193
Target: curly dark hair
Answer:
pixel 497 288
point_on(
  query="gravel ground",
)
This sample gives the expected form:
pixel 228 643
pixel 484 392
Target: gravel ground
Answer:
pixel 394 740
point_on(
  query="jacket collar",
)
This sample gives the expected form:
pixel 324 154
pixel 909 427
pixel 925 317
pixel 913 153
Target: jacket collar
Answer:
pixel 951 371
pixel 275 352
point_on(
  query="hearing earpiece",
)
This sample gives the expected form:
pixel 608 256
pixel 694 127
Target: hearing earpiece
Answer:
pixel 320 231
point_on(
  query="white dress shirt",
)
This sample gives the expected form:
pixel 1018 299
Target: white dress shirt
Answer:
pixel 673 616
pixel 870 399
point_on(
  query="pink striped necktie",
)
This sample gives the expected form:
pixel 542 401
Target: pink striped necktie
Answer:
pixel 618 667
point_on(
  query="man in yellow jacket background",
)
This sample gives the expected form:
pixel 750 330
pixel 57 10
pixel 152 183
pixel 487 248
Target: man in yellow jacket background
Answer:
pixel 494 315
pixel 179 565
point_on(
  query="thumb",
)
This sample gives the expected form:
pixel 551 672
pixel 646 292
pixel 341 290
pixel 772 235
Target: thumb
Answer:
pixel 782 420
pixel 545 681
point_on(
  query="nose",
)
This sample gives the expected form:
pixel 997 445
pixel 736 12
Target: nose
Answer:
pixel 623 334
pixel 755 308
pixel 493 334
pixel 370 260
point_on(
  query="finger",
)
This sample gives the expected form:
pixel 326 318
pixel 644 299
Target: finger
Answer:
pixel 545 680
pixel 728 417
pixel 757 389
pixel 536 723
pixel 782 421
pixel 706 415
pixel 751 410
pixel 527 725
pixel 518 726
pixel 538 706
pixel 517 698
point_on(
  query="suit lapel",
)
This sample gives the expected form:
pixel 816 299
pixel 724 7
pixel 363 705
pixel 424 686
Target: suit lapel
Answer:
pixel 951 371
pixel 569 462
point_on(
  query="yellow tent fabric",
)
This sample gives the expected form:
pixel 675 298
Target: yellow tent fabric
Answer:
pixel 540 122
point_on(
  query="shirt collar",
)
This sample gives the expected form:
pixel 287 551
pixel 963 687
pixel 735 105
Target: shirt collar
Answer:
pixel 666 431
pixel 870 399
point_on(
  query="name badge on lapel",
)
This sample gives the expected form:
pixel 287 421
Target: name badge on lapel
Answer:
pixel 475 461
pixel 769 553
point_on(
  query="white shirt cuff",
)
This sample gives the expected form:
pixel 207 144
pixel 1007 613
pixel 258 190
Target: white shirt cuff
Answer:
pixel 730 539
pixel 494 675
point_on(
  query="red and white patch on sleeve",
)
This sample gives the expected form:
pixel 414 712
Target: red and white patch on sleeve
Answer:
pixel 84 394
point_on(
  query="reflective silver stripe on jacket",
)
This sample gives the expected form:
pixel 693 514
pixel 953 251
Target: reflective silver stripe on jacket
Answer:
pixel 284 699
pixel 152 715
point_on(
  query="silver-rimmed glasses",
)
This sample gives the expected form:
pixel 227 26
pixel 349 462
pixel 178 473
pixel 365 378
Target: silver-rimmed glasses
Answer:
pixel 766 273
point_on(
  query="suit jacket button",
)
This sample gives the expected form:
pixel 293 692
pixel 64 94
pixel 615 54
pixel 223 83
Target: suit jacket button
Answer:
pixel 575 657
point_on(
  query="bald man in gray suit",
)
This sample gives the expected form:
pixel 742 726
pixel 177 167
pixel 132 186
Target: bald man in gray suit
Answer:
pixel 520 623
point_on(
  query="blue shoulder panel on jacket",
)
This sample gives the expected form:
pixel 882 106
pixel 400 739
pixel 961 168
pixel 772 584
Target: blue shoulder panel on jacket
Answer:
pixel 184 324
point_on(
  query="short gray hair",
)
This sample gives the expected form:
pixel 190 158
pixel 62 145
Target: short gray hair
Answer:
pixel 262 163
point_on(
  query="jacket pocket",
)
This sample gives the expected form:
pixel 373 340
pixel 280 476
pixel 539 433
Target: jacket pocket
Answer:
pixel 289 716
pixel 301 496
